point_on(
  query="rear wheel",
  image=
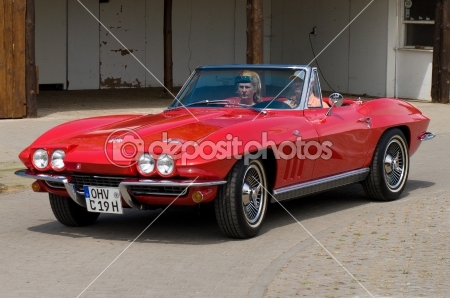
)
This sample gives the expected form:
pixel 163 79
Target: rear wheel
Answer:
pixel 390 167
pixel 70 213
pixel 241 204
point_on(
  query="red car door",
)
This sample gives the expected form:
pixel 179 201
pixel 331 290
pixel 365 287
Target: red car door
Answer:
pixel 344 137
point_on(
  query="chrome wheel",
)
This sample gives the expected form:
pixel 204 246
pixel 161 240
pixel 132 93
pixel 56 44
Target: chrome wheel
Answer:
pixel 390 166
pixel 241 204
pixel 253 194
pixel 394 164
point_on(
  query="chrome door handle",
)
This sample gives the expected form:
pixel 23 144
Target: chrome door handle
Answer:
pixel 364 120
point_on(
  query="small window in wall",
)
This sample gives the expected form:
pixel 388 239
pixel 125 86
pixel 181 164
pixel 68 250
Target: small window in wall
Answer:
pixel 418 20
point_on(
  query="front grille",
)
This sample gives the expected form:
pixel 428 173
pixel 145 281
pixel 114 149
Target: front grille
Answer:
pixel 80 181
pixel 156 190
pixel 54 184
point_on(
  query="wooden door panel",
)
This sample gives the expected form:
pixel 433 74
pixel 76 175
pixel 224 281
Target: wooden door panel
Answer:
pixel 12 59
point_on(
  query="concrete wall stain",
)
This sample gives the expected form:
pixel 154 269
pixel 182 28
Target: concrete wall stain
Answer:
pixel 122 52
pixel 117 83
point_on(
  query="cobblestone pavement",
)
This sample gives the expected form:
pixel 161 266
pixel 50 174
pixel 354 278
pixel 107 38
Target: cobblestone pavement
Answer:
pixel 398 249
pixel 383 251
pixel 395 249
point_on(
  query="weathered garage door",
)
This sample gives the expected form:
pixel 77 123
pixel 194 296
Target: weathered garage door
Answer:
pixel 126 20
pixel 12 59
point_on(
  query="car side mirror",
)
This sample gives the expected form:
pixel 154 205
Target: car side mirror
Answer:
pixel 336 100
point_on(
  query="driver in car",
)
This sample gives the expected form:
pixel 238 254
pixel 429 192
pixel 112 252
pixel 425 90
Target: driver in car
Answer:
pixel 296 93
pixel 248 86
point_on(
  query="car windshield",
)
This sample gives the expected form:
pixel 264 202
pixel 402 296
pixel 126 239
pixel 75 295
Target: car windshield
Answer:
pixel 233 87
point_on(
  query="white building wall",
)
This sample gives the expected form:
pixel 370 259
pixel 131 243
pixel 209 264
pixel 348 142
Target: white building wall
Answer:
pixel 267 29
pixel 414 67
pixel 70 45
pixel 355 62
pixel 414 74
pixel 330 18
pixel 51 40
pixel 83 61
pixel 154 52
pixel 211 32
pixel 204 32
pixel 368 44
pixel 293 22
pixel 126 21
pixel 392 45
pixel 240 35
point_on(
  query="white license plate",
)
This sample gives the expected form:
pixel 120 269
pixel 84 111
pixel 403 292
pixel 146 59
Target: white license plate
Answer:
pixel 103 199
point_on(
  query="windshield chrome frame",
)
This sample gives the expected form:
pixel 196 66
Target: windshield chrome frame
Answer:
pixel 308 89
pixel 176 103
pixel 177 98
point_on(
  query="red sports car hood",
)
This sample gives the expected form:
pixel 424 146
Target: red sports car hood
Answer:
pixel 174 125
pixel 107 145
pixel 98 145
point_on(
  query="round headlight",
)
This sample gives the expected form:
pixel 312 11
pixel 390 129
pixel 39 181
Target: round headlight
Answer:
pixel 165 164
pixel 40 159
pixel 146 164
pixel 58 159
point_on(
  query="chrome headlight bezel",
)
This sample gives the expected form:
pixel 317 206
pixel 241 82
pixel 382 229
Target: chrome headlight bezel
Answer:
pixel 40 159
pixel 165 164
pixel 146 164
pixel 57 159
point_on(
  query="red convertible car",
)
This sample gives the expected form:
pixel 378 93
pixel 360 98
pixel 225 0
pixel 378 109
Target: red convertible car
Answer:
pixel 237 136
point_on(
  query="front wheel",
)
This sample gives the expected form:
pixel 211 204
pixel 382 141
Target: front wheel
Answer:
pixel 70 213
pixel 241 204
pixel 390 167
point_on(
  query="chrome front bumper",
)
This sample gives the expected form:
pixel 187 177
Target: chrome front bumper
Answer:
pixel 123 185
pixel 426 136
